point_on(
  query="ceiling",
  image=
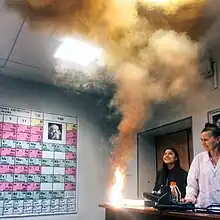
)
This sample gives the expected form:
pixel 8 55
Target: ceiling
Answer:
pixel 23 53
pixel 29 55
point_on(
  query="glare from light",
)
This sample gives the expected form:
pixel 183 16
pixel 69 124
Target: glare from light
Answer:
pixel 78 52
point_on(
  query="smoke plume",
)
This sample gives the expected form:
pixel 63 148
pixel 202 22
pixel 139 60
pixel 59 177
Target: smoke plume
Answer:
pixel 162 72
pixel 152 48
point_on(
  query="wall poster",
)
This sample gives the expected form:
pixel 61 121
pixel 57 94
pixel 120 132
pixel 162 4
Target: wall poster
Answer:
pixel 214 117
pixel 38 163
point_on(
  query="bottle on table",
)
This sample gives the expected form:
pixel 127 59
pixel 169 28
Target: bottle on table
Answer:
pixel 175 192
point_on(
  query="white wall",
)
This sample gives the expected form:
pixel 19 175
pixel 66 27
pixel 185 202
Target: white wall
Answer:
pixel 93 149
pixel 197 107
pixel 147 164
pixel 130 191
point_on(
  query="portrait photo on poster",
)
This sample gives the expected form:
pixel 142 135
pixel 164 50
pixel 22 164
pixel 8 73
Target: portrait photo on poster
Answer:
pixel 214 117
pixel 55 131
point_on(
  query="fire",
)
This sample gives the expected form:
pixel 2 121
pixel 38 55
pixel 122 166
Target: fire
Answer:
pixel 116 196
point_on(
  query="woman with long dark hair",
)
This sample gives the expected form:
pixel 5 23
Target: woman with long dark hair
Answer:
pixel 171 172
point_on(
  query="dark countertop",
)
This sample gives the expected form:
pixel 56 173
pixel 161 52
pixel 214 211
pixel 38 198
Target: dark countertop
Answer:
pixel 150 211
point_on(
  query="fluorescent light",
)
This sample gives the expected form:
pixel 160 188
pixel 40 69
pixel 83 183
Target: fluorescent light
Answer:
pixel 77 51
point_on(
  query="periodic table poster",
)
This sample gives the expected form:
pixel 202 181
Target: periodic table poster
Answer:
pixel 38 161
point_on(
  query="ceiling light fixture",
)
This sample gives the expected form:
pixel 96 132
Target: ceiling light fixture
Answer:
pixel 78 52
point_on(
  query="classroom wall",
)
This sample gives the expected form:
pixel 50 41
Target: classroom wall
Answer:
pixel 147 164
pixel 93 147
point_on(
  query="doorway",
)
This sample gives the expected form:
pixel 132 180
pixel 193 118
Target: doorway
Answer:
pixel 181 141
pixel 151 144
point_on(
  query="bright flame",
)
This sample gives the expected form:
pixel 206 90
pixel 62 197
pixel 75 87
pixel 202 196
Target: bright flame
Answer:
pixel 116 197
pixel 77 51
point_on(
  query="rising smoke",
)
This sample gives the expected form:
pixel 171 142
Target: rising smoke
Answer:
pixel 153 49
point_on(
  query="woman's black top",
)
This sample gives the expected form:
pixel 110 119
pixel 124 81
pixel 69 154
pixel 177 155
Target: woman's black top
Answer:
pixel 176 174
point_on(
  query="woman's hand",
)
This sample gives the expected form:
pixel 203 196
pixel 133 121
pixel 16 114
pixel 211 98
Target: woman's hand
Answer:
pixel 187 200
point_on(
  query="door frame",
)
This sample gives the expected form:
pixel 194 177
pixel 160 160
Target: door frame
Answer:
pixel 153 129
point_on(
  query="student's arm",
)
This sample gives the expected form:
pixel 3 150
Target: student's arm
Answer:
pixel 157 184
pixel 183 183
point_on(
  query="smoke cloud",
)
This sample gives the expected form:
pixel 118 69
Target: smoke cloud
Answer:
pixel 162 72
pixel 152 48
